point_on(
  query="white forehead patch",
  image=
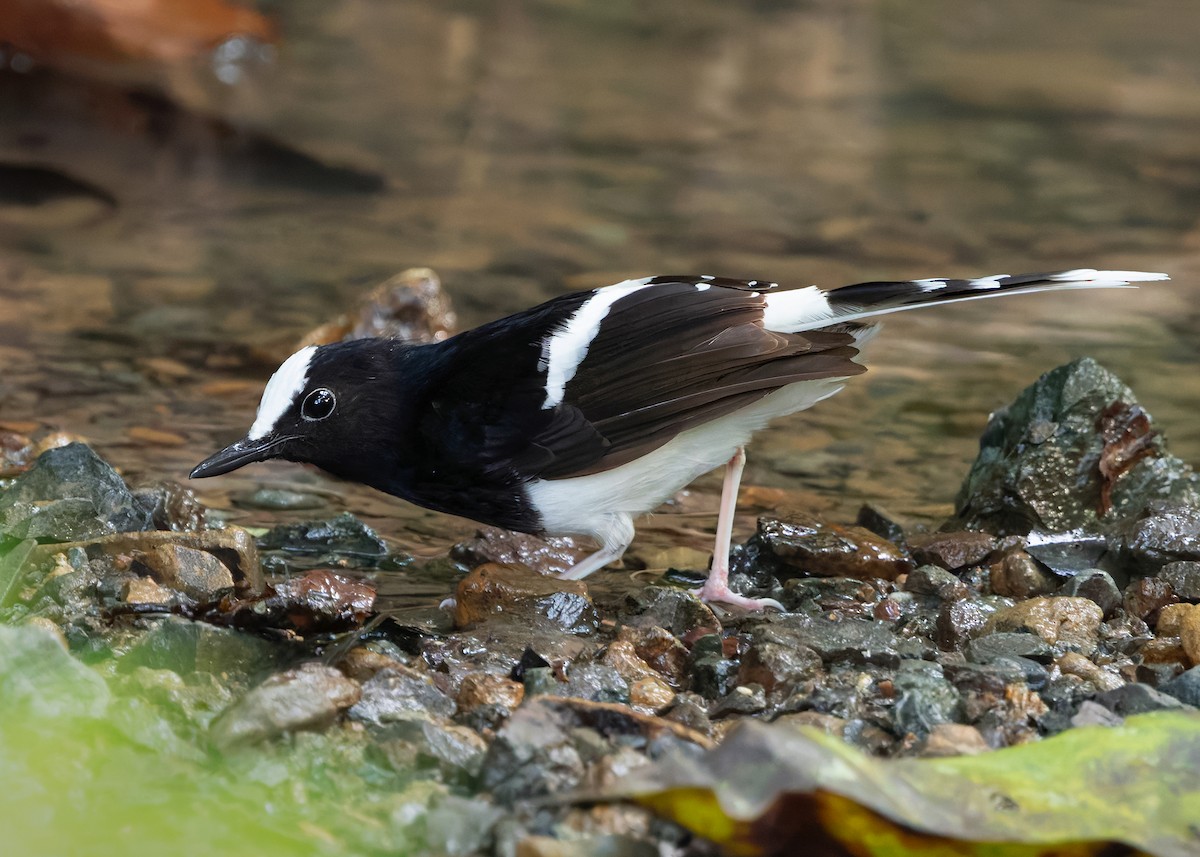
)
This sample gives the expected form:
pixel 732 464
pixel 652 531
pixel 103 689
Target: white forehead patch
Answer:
pixel 287 383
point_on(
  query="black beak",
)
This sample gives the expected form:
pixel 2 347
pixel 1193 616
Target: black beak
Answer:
pixel 236 455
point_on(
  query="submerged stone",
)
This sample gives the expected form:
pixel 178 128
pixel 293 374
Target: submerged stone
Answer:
pixel 70 494
pixel 184 647
pixel 516 594
pixel 344 535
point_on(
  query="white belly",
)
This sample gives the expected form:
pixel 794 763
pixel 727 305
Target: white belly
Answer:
pixel 602 505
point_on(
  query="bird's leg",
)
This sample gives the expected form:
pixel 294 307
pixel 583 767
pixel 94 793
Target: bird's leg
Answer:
pixel 716 588
pixel 614 540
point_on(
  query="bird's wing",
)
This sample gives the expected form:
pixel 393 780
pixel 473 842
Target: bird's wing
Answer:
pixel 620 373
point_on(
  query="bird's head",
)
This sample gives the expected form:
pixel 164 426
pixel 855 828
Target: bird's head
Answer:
pixel 326 405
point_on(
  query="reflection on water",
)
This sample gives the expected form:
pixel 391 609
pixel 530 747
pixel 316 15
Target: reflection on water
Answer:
pixel 527 148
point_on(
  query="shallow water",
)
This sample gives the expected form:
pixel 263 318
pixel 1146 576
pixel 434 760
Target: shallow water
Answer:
pixel 525 149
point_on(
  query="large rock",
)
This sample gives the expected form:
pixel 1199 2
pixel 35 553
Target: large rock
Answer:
pixel 70 494
pixel 1073 451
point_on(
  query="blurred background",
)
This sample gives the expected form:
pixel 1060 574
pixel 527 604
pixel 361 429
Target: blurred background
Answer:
pixel 187 188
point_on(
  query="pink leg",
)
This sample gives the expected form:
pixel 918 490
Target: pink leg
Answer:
pixel 716 588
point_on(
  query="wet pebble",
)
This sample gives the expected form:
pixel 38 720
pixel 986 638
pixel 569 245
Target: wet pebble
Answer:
pixel 991 647
pixel 953 739
pixel 1183 578
pixel 319 601
pixel 401 693
pixel 936 581
pixel 1146 596
pixel 952 550
pixel 925 699
pixel 1071 621
pixel 959 621
pixel 1185 687
pixel 196 573
pixel 516 594
pixel 806 544
pixel 1019 575
pixel 743 699
pixel 493 545
pixel 1073 663
pixel 1130 699
pixel 1095 585
pixel 309 696
pixel 713 674
pixel 675 610
pixel 278 500
pixel 777 662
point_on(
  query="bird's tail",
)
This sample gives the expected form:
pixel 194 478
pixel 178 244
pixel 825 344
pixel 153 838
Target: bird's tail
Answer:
pixel 806 309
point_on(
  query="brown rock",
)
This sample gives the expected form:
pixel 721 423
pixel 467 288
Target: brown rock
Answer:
pixel 1146 596
pixel 1073 621
pixel 648 691
pixel 1163 650
pixel 479 689
pixel 545 556
pixel 1073 663
pixel 520 595
pixel 145 590
pixel 1170 619
pixel 1019 575
pixel 362 663
pixel 811 545
pixel 1189 634
pixel 661 650
pixel 951 551
pixel 954 739
pixel 196 573
pixel 319 601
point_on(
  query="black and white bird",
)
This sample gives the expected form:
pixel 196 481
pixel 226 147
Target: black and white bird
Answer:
pixel 579 415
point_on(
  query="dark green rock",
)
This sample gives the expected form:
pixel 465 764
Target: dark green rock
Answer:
pixel 991 647
pixel 925 698
pixel 70 494
pixel 1038 464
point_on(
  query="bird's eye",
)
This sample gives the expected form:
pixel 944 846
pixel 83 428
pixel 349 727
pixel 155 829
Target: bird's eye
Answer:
pixel 318 404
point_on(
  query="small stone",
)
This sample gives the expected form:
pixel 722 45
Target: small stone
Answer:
pixel 1189 634
pixel 306 697
pixel 1092 713
pixel 145 590
pixel 951 550
pixel 1095 585
pixel 673 609
pixel 647 689
pixel 1146 596
pixel 1070 621
pixel 401 693
pixel 991 647
pixel 777 662
pixel 343 536
pixel 661 650
pixel 532 755
pixel 743 699
pixel 411 306
pixel 320 601
pixel 953 739
pixel 844 640
pixel 713 675
pixel 959 621
pixel 1185 687
pixel 362 662
pixel 1162 650
pixel 810 545
pixel 595 682
pixel 938 582
pixel 1130 699
pixel 552 555
pixel 279 500
pixel 1168 533
pixel 691 710
pixel 1073 663
pixel 1020 576
pixel 196 573
pixel 879 522
pixel 486 689
pixel 1171 617
pixel 651 694
pixel 925 698
pixel 519 595
pixel 1184 578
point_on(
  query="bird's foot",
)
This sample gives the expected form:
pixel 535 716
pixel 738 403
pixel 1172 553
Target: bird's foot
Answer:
pixel 720 593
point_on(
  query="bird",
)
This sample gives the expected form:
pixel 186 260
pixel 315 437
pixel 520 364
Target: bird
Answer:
pixel 579 415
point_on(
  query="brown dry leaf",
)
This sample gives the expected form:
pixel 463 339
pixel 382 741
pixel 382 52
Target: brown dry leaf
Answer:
pixel 118 30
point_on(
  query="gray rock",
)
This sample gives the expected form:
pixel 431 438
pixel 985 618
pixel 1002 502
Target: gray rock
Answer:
pixel 959 621
pixel 847 640
pixel 595 682
pixel 952 550
pixel 1038 464
pixel 938 582
pixel 991 647
pixel 196 573
pixel 401 693
pixel 671 608
pixel 1184 578
pixel 1185 687
pixel 304 698
pixel 994 676
pixel 713 675
pixel 532 755
pixel 70 494
pixel 925 699
pixel 1130 699
pixel 777 661
pixel 1094 714
pixel 743 699
pixel 1096 585
pixel 1168 533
